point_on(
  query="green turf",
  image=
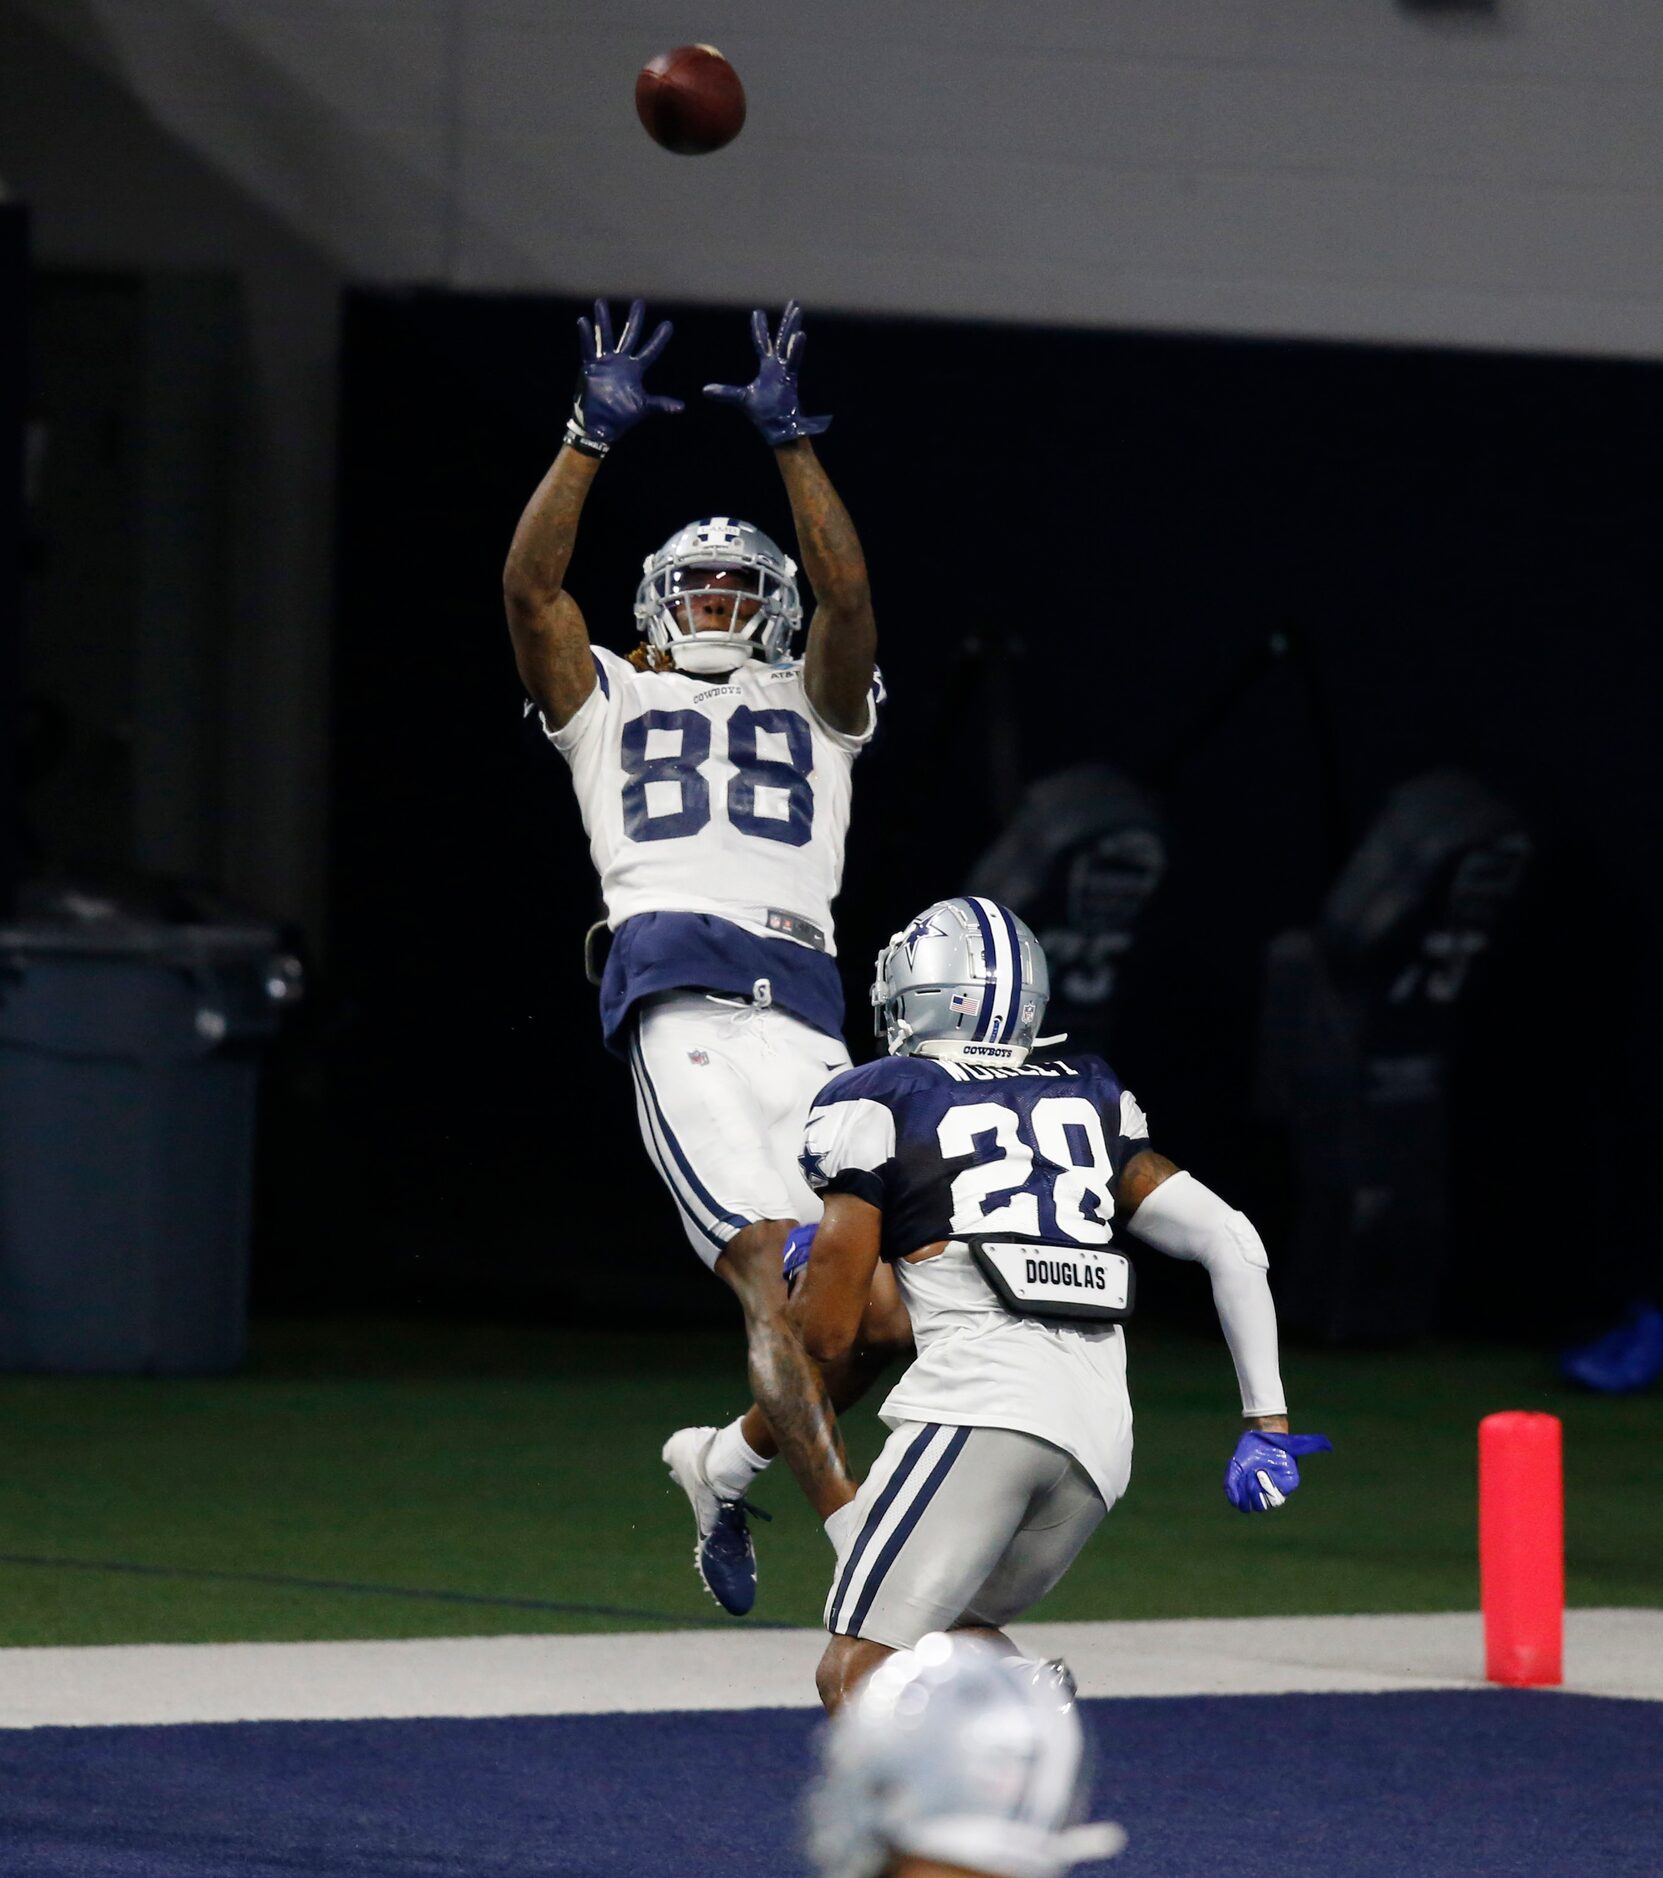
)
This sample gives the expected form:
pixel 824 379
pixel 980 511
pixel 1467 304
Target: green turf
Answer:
pixel 517 1464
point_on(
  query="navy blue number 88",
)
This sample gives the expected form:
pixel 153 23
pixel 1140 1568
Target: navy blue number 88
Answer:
pixel 789 776
pixel 756 772
pixel 640 823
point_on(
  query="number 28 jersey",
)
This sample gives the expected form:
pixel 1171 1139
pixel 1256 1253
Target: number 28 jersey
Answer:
pixel 946 1150
pixel 725 797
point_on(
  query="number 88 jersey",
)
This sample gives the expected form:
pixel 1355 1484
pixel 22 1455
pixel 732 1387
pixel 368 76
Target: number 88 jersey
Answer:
pixel 720 795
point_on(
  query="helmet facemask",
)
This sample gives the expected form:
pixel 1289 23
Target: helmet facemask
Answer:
pixel 736 565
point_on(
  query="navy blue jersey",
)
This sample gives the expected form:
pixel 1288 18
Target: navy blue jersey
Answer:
pixel 945 1149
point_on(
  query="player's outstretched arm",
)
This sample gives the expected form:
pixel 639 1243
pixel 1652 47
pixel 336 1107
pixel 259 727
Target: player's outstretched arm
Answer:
pixel 832 1288
pixel 842 637
pixel 1173 1212
pixel 551 642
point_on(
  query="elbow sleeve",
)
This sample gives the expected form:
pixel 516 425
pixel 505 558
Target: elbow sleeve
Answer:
pixel 1187 1220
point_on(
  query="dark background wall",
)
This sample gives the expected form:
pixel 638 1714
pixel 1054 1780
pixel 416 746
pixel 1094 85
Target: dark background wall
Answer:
pixel 14 322
pixel 14 325
pixel 1079 541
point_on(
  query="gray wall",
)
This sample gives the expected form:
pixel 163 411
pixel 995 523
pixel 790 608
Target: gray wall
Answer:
pixel 1347 168
pixel 111 187
pixel 1334 168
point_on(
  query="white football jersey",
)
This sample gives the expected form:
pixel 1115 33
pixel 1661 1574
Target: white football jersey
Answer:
pixel 723 795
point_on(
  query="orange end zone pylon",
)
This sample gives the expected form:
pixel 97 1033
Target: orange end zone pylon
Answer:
pixel 1521 1547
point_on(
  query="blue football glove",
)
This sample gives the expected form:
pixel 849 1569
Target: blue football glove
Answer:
pixel 1263 1471
pixel 770 399
pixel 795 1256
pixel 610 397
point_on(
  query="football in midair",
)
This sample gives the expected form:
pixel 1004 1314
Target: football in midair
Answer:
pixel 690 100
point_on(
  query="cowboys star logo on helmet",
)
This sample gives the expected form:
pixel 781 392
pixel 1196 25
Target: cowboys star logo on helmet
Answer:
pixel 921 928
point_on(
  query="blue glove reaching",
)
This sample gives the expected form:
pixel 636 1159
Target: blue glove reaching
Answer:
pixel 610 397
pixel 795 1255
pixel 770 399
pixel 1263 1471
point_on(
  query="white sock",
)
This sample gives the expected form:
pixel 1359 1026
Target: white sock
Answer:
pixel 732 1463
pixel 840 1527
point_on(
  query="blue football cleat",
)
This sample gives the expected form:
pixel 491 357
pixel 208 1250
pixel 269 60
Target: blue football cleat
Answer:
pixel 1627 1358
pixel 724 1555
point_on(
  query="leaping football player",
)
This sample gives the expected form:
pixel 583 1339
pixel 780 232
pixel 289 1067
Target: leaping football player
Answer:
pixel 712 767
pixel 995 1183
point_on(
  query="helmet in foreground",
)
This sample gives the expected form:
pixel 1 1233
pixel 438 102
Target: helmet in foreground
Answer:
pixel 954 1753
pixel 966 980
pixel 677 575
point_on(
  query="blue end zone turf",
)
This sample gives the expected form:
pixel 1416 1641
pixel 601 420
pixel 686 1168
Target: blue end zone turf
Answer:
pixel 1448 1785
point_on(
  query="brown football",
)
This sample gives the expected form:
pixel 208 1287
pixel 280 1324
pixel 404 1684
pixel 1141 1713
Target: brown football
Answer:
pixel 690 100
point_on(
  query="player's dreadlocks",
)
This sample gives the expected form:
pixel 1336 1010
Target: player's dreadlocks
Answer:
pixel 646 658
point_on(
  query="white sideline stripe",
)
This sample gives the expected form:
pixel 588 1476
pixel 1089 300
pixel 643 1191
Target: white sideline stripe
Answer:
pixel 1613 1652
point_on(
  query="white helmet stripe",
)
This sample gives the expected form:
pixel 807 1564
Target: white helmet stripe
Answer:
pixel 1013 1010
pixel 985 926
pixel 1004 970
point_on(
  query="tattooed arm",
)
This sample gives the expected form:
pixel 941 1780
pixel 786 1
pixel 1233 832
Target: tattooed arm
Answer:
pixel 551 642
pixel 842 636
pixel 830 1296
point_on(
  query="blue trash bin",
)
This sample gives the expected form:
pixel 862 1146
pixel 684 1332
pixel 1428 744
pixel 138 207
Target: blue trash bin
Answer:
pixel 129 1061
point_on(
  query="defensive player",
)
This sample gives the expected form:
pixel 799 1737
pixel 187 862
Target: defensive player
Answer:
pixel 712 767
pixel 993 1184
pixel 952 1759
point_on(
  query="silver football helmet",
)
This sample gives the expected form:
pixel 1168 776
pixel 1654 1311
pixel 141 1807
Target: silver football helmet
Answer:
pixel 954 1753
pixel 967 980
pixel 677 573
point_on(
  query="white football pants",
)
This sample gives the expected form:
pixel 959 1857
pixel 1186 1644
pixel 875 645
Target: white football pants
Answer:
pixel 722 1093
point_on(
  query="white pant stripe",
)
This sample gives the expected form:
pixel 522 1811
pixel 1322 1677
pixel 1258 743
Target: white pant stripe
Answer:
pixel 874 1534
